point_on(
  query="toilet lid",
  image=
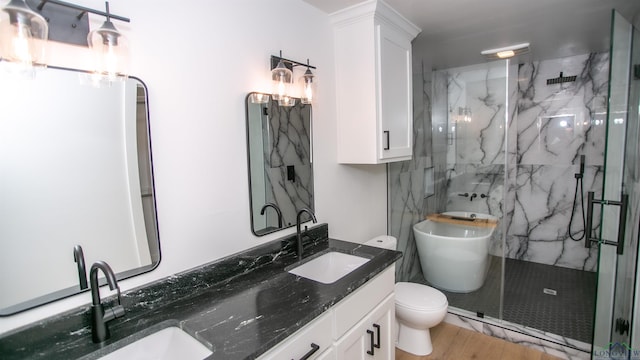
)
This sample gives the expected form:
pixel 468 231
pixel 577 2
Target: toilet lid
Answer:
pixel 419 297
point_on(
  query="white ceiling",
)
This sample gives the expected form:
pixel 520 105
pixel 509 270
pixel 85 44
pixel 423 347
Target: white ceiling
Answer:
pixel 455 31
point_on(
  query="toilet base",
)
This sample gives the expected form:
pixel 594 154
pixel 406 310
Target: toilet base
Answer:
pixel 414 341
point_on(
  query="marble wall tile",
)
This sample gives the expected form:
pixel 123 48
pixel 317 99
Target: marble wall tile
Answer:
pixel 406 182
pixel 556 123
pixel 549 127
pixel 288 143
pixel 439 140
pixel 477 105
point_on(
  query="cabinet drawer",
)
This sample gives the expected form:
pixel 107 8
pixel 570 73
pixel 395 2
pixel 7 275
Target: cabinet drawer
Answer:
pixel 297 345
pixel 359 304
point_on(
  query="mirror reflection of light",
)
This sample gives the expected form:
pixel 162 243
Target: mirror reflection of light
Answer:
pixel 618 121
pixel 563 123
pixel 439 128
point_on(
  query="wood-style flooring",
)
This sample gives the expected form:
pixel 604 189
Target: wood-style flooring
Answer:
pixel 454 343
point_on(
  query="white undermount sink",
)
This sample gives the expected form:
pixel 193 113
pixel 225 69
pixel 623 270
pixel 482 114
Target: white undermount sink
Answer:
pixel 329 267
pixel 168 343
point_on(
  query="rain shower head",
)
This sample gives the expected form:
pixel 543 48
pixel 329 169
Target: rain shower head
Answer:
pixel 506 52
pixel 561 79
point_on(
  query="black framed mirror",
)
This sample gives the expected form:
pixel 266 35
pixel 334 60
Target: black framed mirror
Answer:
pixel 280 162
pixel 75 170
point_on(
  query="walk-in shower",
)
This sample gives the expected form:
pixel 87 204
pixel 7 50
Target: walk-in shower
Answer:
pixel 533 144
pixel 523 147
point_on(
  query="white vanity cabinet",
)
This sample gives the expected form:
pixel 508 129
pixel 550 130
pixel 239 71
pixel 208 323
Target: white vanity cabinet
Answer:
pixel 342 332
pixel 372 337
pixel 373 83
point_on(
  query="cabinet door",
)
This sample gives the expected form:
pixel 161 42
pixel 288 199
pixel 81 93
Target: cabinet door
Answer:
pixel 330 354
pixel 371 338
pixel 394 92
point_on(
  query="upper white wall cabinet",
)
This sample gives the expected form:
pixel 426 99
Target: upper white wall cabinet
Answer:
pixel 373 83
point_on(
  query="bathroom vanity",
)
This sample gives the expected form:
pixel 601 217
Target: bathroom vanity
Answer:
pixel 360 325
pixel 245 306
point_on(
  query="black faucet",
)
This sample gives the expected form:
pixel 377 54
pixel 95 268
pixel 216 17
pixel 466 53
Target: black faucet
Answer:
pixel 299 236
pixel 100 317
pixel 78 257
pixel 276 208
pixel 474 195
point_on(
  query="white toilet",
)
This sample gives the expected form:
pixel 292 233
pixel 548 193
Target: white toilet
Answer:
pixel 418 308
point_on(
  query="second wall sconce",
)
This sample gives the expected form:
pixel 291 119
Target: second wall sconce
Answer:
pixel 282 81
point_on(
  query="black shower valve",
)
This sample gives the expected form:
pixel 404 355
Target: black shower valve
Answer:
pixel 464 194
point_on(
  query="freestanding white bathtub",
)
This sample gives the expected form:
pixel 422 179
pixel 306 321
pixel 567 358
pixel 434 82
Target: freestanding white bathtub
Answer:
pixel 454 257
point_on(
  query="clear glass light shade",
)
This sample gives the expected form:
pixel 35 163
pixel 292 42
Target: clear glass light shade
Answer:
pixel 308 86
pixel 287 101
pixel 111 52
pixel 281 79
pixel 23 35
pixel 259 98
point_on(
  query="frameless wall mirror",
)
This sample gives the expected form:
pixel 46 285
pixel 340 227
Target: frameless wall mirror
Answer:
pixel 280 162
pixel 75 170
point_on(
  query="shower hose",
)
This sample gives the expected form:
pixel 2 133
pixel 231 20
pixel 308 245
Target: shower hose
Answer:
pixel 573 210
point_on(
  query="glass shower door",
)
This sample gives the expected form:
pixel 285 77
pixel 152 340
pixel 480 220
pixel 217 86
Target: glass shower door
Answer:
pixel 617 240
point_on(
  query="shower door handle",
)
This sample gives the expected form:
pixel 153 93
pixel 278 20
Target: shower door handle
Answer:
pixel 622 221
pixel 588 230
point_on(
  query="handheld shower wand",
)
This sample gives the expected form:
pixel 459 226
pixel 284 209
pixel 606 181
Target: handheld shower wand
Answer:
pixel 579 184
pixel 581 165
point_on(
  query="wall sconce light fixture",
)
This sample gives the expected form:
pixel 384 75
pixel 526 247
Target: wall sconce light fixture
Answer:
pixel 281 77
pixel 23 35
pixel 308 86
pixel 110 49
pixel 26 25
pixel 282 80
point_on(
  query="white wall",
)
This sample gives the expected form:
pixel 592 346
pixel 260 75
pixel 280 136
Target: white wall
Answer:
pixel 196 95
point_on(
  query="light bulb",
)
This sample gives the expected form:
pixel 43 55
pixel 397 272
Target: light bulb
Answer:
pixel 308 86
pixel 23 35
pixel 110 51
pixel 281 77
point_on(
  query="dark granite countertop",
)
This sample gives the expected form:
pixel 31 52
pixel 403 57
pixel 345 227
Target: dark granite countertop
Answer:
pixel 239 306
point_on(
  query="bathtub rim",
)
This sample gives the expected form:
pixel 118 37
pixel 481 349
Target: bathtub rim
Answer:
pixel 455 238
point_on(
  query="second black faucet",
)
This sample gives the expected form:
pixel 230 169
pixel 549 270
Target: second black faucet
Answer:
pixel 298 234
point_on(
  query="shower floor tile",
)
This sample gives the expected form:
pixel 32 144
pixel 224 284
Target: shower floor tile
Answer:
pixel 529 299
